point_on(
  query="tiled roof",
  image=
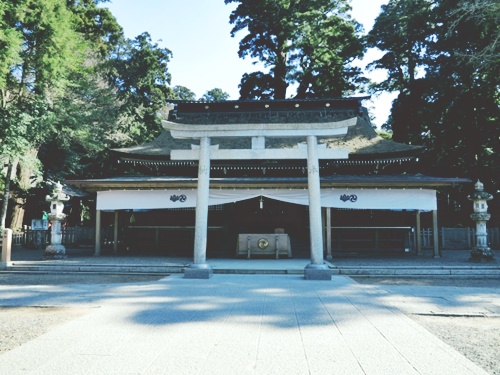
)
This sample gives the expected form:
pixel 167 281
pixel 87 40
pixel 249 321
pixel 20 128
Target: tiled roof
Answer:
pixel 359 181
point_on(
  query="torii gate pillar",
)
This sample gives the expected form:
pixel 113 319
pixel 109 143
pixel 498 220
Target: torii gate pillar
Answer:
pixel 199 269
pixel 317 269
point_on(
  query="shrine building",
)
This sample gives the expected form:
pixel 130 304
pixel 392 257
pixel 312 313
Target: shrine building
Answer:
pixel 254 179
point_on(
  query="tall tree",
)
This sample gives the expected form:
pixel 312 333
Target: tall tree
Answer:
pixel 486 15
pixel 448 94
pixel 40 49
pixel 465 95
pixel 309 43
pixel 71 86
pixel 403 31
pixel 139 71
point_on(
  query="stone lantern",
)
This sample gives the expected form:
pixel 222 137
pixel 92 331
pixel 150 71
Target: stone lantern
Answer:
pixel 481 251
pixel 56 250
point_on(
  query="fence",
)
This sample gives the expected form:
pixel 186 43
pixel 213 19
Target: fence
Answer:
pixel 41 238
pixel 459 238
pixel 450 238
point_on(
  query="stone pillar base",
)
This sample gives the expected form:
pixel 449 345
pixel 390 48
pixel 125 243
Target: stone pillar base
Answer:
pixel 54 252
pixel 317 272
pixel 481 254
pixel 198 271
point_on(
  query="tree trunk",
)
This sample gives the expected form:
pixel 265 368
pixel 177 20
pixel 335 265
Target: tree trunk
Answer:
pixel 25 184
pixel 17 217
pixel 6 195
pixel 280 71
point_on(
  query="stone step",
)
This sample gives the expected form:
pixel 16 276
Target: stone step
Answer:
pixel 246 271
pixel 96 269
pixel 466 271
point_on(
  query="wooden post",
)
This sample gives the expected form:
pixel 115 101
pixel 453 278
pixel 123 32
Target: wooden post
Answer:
pixel 329 254
pixel 469 236
pixel 418 234
pixel 97 250
pixel 443 238
pixel 115 233
pixel 435 234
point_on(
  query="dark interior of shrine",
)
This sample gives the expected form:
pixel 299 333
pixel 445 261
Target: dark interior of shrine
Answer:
pixel 170 232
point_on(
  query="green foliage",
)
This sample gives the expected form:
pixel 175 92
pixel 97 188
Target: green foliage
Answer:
pixel 442 57
pixel 215 95
pixel 44 51
pixel 257 86
pixel 384 134
pixel 310 43
pixel 71 86
pixel 183 93
pixel 139 71
pixel 402 31
pixel 10 42
pixel 40 49
pixel 86 124
pixel 484 53
pixel 96 24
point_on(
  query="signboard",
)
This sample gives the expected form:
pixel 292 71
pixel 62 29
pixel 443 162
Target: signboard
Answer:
pixel 39 224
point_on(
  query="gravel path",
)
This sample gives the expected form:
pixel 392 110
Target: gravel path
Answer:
pixel 478 338
pixel 22 324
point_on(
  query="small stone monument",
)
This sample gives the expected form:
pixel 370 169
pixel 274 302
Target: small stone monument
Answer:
pixel 56 250
pixel 480 252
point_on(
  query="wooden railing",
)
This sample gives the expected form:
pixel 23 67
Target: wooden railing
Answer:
pixel 41 238
pixel 458 238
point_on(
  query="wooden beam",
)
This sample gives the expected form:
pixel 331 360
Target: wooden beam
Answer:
pixel 329 255
pixel 435 234
pixel 418 235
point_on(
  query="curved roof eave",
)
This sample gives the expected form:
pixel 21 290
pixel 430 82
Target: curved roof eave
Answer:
pixel 361 140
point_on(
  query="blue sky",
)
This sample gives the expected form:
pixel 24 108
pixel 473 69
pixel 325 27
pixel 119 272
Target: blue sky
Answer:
pixel 204 54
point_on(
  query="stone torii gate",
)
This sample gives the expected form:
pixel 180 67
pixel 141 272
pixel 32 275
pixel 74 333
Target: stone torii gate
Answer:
pixel 317 269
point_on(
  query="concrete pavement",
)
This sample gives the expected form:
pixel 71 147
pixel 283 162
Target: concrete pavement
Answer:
pixel 243 324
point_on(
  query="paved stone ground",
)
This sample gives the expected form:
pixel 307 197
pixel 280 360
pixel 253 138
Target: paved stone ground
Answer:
pixel 243 324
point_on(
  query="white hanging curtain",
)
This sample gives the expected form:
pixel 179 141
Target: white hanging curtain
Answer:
pixel 376 199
